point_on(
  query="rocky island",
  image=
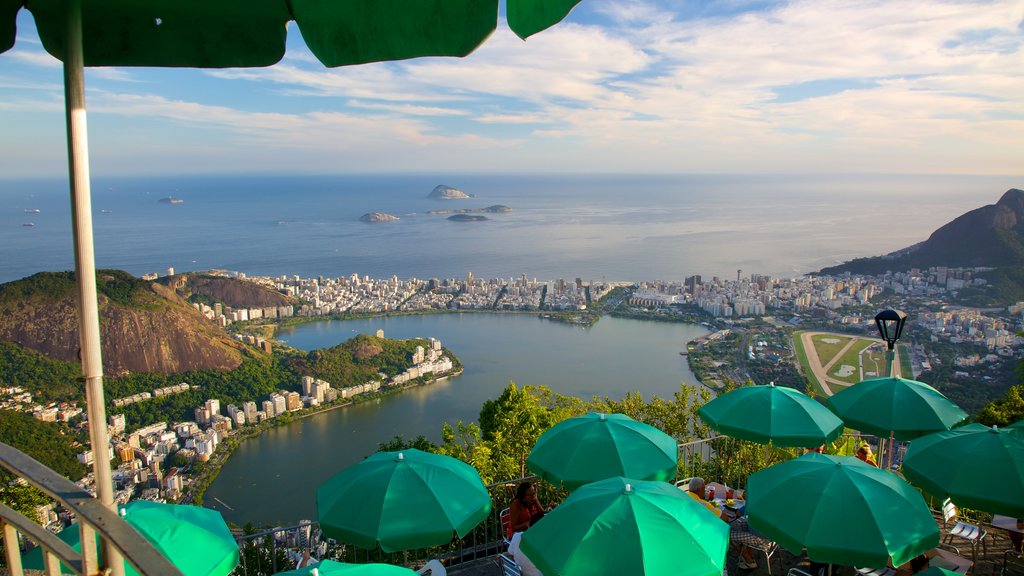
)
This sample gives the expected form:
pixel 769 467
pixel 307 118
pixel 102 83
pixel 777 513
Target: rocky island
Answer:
pixel 442 192
pixel 378 217
pixel 496 209
pixel 467 218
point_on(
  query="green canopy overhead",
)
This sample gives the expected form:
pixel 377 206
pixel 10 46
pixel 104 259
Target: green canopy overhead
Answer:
pixel 772 414
pixel 842 510
pixel 246 33
pixel 623 526
pixel 402 500
pixel 977 466
pixel 196 540
pixel 596 446
pixel 906 408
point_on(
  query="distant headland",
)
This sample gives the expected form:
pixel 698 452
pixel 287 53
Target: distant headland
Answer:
pixel 496 209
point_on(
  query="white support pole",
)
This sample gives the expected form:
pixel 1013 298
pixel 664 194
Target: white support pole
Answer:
pixel 85 272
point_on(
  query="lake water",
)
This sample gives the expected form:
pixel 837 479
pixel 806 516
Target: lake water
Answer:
pixel 273 478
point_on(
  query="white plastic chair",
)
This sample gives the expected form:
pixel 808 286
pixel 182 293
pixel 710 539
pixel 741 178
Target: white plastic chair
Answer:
pixel 963 530
pixel 509 566
pixel 434 568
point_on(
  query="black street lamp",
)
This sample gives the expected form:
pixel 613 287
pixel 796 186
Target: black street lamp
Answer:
pixel 890 327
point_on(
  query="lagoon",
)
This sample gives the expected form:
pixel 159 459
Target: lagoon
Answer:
pixel 272 479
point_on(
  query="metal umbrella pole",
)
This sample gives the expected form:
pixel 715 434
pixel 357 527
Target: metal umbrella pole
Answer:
pixel 85 274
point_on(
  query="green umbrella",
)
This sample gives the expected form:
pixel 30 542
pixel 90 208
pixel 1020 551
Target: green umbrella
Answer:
pixel 331 568
pixel 595 446
pixel 842 510
pixel 905 408
pixel 1017 424
pixel 402 500
pixel 231 33
pixel 622 526
pixel 196 540
pixel 976 466
pixel 936 571
pixel 772 415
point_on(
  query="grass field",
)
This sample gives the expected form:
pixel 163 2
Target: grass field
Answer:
pixel 828 350
pixel 859 356
pixel 812 383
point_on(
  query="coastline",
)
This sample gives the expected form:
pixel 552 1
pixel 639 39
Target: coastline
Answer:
pixel 209 472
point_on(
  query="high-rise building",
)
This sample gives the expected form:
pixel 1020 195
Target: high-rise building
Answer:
pixel 213 405
pixel 268 409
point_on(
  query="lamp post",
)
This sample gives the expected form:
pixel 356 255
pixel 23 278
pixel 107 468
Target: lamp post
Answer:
pixel 890 328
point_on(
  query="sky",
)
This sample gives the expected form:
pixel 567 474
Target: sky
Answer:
pixel 675 86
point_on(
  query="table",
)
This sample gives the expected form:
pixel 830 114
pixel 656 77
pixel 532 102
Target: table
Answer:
pixel 1013 526
pixel 949 560
pixel 1007 523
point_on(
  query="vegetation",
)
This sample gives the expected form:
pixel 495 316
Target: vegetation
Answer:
pixel 510 424
pixel 359 360
pixel 47 380
pixel 117 285
pixel 52 444
pixel 1006 410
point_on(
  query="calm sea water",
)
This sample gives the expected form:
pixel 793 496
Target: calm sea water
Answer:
pixel 273 478
pixel 613 227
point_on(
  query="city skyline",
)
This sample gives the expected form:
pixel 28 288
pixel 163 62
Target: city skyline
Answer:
pixel 665 87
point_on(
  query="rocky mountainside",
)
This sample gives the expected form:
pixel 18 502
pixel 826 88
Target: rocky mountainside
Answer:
pixel 144 326
pixel 990 236
pixel 234 293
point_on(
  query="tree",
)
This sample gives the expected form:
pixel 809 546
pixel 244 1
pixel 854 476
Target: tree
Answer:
pixel 1006 410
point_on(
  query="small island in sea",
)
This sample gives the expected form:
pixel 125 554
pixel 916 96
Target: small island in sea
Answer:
pixel 171 200
pixel 442 192
pixel 496 209
pixel 378 217
pixel 467 218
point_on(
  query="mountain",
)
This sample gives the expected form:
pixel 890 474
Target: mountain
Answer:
pixel 144 326
pixel 990 236
pixel 230 291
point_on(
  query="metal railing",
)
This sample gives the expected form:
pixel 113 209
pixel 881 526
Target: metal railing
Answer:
pixel 94 519
pixel 267 552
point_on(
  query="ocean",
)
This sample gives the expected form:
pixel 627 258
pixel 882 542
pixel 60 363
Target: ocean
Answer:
pixel 614 227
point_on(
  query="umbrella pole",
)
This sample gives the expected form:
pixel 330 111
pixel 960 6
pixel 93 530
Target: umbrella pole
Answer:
pixel 85 274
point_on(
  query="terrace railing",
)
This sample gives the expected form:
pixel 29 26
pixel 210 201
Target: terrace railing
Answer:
pixel 93 519
pixel 720 459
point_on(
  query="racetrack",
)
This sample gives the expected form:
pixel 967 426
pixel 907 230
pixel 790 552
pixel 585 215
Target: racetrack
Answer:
pixel 821 372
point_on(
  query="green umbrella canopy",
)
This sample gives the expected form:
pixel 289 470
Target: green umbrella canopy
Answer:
pixel 976 466
pixel 842 510
pixel 595 446
pixel 332 568
pixel 196 540
pixel 230 33
pixel 906 408
pixel 772 414
pixel 936 571
pixel 622 526
pixel 1017 424
pixel 402 500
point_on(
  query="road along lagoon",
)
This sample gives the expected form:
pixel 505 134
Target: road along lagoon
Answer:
pixel 272 479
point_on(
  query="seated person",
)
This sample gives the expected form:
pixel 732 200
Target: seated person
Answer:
pixel 525 564
pixel 525 510
pixel 864 454
pixel 697 491
pixel 747 560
